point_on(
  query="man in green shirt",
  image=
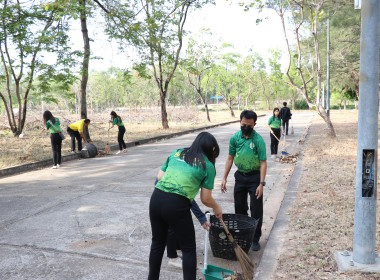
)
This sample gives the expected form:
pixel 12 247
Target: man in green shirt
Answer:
pixel 247 151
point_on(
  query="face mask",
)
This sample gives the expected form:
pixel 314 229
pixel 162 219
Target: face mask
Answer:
pixel 246 130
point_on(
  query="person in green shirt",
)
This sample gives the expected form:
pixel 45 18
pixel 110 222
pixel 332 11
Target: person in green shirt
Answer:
pixel 53 125
pixel 247 151
pixel 274 125
pixel 184 173
pixel 116 120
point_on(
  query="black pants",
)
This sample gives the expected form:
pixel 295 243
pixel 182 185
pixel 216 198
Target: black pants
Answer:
pixel 172 245
pixel 120 136
pixel 75 134
pixel 274 141
pixel 245 185
pixel 285 126
pixel 56 146
pixel 171 210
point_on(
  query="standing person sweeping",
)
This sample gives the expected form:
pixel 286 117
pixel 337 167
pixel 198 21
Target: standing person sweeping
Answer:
pixel 184 173
pixel 75 130
pixel 285 116
pixel 53 125
pixel 247 150
pixel 274 125
pixel 116 120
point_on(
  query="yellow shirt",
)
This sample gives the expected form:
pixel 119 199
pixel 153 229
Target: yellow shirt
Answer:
pixel 77 126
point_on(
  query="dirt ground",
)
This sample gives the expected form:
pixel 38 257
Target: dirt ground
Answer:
pixel 322 217
pixel 142 123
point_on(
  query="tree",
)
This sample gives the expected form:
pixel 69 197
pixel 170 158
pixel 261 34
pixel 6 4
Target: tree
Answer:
pixel 29 32
pixel 199 58
pixel 156 29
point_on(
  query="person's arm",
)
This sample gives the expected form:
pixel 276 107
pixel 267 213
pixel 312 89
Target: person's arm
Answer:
pixel 208 200
pixel 159 175
pixel 263 173
pixel 227 168
pixel 199 215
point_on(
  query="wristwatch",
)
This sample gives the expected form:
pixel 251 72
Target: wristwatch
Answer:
pixel 262 183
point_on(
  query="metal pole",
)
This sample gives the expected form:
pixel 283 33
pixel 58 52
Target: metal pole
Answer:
pixel 328 71
pixel 366 166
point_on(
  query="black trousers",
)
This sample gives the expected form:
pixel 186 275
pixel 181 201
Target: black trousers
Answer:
pixel 285 126
pixel 56 146
pixel 274 141
pixel 245 185
pixel 75 135
pixel 120 136
pixel 171 210
pixel 172 245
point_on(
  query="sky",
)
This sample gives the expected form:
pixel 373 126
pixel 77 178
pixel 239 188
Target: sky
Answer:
pixel 228 22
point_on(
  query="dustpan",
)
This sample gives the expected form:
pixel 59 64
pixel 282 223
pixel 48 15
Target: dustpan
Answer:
pixel 212 272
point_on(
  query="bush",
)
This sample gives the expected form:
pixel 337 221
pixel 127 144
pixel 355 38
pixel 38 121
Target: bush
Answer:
pixel 301 105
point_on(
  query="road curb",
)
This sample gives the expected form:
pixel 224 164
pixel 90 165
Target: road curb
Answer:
pixel 272 251
pixel 14 170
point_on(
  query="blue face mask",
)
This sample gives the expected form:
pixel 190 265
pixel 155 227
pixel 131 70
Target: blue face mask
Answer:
pixel 246 130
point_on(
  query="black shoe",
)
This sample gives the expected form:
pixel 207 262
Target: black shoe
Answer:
pixel 255 246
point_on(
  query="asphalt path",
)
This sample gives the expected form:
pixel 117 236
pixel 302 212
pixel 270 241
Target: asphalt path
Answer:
pixel 89 219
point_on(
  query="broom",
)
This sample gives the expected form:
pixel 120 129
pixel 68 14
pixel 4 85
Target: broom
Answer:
pixel 107 148
pixel 283 152
pixel 244 260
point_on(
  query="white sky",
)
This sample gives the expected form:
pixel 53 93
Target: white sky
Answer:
pixel 228 22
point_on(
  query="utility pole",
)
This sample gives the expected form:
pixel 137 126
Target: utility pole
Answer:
pixel 366 164
pixel 323 97
pixel 364 245
pixel 328 70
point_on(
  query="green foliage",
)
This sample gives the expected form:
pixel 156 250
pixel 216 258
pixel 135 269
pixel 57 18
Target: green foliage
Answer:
pixel 301 105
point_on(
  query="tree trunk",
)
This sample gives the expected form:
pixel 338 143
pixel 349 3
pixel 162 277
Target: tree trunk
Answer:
pixel 294 101
pixel 207 112
pixel 85 64
pixel 164 114
pixel 323 114
pixel 345 104
pixel 231 109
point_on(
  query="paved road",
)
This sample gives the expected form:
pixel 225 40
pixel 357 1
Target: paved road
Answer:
pixel 89 219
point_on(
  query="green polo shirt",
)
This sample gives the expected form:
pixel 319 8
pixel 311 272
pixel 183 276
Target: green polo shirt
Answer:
pixel 276 123
pixel 182 179
pixel 247 152
pixel 117 121
pixel 56 127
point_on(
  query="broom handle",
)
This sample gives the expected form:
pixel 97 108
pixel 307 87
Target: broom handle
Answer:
pixel 273 134
pixel 206 243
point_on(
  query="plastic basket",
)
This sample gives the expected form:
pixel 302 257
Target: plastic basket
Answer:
pixel 242 229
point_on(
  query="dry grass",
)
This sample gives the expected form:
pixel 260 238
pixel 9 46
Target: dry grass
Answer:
pixel 143 123
pixel 322 216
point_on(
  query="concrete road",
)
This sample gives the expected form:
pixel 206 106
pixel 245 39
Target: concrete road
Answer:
pixel 89 219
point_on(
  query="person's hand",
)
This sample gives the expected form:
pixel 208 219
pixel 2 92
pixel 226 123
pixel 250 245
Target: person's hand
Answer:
pixel 223 187
pixel 218 212
pixel 259 191
pixel 206 225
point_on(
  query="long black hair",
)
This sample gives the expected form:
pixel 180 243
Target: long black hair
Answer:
pixel 114 115
pixel 204 144
pixel 48 116
pixel 274 110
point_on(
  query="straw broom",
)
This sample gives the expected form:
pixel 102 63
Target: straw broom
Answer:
pixel 244 260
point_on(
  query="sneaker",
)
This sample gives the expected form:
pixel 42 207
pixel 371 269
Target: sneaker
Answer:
pixel 54 167
pixel 72 152
pixel 125 150
pixel 177 262
pixel 273 156
pixel 58 165
pixel 255 246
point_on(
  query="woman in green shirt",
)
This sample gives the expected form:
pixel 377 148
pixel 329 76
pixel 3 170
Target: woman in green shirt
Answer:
pixel 53 125
pixel 116 120
pixel 274 124
pixel 184 173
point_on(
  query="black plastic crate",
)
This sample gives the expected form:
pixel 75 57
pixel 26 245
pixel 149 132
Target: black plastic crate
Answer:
pixel 242 229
